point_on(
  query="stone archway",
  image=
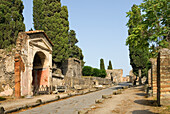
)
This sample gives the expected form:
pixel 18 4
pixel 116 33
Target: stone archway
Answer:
pixel 39 72
pixel 33 62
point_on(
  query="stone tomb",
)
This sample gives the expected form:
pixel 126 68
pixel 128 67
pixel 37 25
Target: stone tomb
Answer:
pixel 33 62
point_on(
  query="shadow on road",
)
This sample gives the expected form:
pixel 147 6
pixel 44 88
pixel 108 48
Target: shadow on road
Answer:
pixel 143 112
pixel 141 94
pixel 146 102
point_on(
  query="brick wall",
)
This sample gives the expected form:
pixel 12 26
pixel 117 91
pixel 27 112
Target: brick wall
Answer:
pixel 163 77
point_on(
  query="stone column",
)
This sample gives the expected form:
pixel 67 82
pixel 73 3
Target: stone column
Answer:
pixel 17 76
pixel 149 78
pixel 154 75
pixel 163 77
pixel 30 68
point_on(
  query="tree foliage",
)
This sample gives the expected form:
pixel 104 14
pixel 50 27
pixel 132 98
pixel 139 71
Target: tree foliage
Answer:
pixel 156 19
pixel 11 21
pixel 148 32
pixel 74 50
pixel 50 16
pixel 102 73
pixel 90 71
pixel 110 65
pixel 138 45
pixel 87 71
pixel 96 72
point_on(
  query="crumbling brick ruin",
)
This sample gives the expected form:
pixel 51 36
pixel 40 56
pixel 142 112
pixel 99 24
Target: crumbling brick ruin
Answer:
pixel 163 77
pixel 7 82
pixel 159 77
pixel 125 79
pixel 115 75
pixel 72 68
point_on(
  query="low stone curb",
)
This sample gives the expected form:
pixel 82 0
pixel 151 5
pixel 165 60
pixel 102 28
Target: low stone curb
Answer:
pixel 99 100
pixel 85 111
pixel 106 96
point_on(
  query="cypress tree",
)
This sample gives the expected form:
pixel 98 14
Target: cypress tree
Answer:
pixel 102 66
pixel 74 50
pixel 137 41
pixel 110 65
pixel 37 14
pixel 11 22
pixel 53 19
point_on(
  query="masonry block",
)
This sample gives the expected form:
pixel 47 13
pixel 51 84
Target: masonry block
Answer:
pixel 163 77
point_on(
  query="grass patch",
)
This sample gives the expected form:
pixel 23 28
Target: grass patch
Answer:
pixel 2 98
pixel 168 107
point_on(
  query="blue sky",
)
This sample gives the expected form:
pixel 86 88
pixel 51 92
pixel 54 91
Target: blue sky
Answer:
pixel 101 29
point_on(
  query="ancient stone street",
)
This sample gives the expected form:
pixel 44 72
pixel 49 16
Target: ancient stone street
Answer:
pixel 71 105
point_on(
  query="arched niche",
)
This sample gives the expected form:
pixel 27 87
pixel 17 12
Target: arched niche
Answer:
pixel 39 72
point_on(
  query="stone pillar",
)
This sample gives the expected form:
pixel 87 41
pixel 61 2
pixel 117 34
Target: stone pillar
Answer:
pixel 19 67
pixel 154 75
pixel 17 76
pixel 163 77
pixel 149 78
pixel 30 78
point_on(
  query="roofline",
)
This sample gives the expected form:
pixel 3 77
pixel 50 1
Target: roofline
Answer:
pixel 40 31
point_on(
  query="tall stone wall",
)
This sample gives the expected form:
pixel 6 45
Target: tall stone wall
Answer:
pixel 163 77
pixel 72 68
pixel 6 72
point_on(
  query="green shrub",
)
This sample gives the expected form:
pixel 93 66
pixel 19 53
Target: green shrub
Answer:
pixel 2 98
pixel 96 72
pixel 87 71
pixel 102 74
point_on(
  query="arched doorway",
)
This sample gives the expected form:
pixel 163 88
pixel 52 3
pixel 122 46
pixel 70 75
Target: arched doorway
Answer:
pixel 39 72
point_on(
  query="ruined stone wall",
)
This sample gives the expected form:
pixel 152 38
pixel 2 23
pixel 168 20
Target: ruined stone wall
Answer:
pixel 85 82
pixel 126 79
pixel 132 77
pixel 116 74
pixel 163 77
pixel 6 71
pixel 72 68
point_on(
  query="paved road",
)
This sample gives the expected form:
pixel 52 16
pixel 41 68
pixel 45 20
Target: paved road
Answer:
pixel 71 105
